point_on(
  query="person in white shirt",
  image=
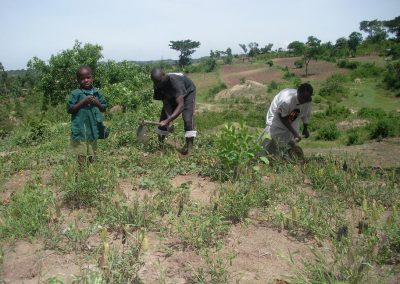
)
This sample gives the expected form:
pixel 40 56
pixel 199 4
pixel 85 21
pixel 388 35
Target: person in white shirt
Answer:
pixel 283 117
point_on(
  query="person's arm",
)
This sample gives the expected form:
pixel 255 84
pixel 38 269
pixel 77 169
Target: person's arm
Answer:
pixel 305 133
pixel 177 111
pixel 74 107
pixel 167 107
pixel 100 102
pixel 288 124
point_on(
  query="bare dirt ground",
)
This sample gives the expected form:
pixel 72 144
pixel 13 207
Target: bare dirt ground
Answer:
pixel 202 189
pixel 383 154
pixel 231 74
pixel 317 70
pixel 26 262
pixel 250 89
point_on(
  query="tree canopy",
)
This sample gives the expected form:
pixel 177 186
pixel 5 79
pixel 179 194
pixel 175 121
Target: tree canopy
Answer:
pixel 186 48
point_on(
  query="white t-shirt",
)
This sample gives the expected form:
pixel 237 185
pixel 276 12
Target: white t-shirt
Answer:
pixel 286 103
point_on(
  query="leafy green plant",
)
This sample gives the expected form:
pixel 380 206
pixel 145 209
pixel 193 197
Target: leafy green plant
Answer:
pixel 28 212
pixel 334 87
pixel 329 132
pixel 236 147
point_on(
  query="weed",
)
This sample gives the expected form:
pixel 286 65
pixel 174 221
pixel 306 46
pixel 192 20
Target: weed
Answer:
pixel 28 212
pixel 329 132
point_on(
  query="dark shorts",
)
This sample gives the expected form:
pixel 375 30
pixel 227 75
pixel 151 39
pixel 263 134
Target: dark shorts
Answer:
pixel 187 114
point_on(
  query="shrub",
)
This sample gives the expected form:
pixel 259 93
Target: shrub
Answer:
pixel 235 148
pixel 329 132
pixel 354 137
pixel 215 90
pixel 317 99
pixel 272 86
pixel 204 66
pixel 381 129
pixel 299 63
pixel 366 70
pixel 270 63
pixel 242 80
pixel 392 75
pixel 347 64
pixel 371 113
pixel 333 86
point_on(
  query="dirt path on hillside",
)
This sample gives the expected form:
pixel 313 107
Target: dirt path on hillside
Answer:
pixel 384 154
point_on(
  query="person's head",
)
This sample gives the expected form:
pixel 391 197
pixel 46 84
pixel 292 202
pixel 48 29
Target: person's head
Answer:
pixel 158 77
pixel 84 77
pixel 304 93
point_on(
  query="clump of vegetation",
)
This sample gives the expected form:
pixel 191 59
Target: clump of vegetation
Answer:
pixel 28 212
pixel 366 70
pixel 334 87
pixel 215 90
pixel 355 137
pixel 345 63
pixel 272 86
pixel 299 64
pixel 328 132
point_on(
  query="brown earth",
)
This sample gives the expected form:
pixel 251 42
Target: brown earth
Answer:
pixel 317 70
pixel 232 74
pixel 383 154
pixel 26 262
pixel 250 89
pixel 202 189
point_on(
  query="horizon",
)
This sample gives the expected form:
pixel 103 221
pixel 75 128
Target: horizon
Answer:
pixel 217 25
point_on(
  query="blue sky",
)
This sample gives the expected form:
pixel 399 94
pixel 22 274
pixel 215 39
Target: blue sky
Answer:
pixel 141 30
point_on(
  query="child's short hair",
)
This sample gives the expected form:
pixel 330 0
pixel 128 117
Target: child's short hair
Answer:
pixel 305 88
pixel 81 68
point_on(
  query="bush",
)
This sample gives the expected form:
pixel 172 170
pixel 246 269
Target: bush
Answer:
pixel 317 99
pixel 329 132
pixel 215 90
pixel 347 64
pixel 204 66
pixel 236 147
pixel 366 70
pixel 299 63
pixel 333 86
pixel 391 77
pixel 272 86
pixel 371 113
pixel 242 80
pixel 270 63
pixel 381 129
pixel 354 137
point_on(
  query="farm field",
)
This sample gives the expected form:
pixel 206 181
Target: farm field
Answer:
pixel 145 213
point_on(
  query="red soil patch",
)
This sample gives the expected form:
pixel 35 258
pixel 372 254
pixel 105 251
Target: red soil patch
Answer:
pixel 317 70
pixel 231 74
pixel 27 262
pixel 263 254
pixel 201 189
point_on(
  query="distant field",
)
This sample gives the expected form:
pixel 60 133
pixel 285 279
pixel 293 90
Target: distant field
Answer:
pixel 204 81
pixel 262 73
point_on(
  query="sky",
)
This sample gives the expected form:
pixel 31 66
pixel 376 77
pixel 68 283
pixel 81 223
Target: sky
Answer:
pixel 142 30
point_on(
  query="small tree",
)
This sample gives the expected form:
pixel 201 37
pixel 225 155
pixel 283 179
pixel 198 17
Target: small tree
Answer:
pixel 186 48
pixel 267 48
pixel 341 47
pixel 243 47
pixel 228 56
pixel 354 41
pixel 310 50
pixel 253 49
pixel 57 78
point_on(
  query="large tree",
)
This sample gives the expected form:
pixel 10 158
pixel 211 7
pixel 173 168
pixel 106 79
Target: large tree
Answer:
pixel 253 49
pixel 355 39
pixel 393 26
pixel 341 47
pixel 374 29
pixel 186 48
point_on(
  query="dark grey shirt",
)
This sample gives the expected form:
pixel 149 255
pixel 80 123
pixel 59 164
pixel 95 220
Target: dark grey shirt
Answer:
pixel 177 85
